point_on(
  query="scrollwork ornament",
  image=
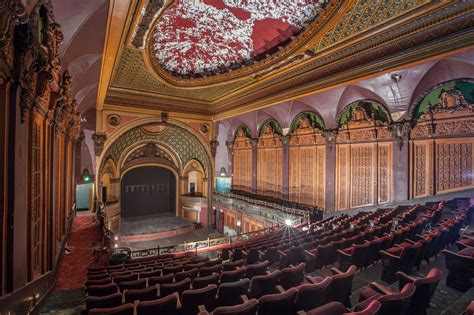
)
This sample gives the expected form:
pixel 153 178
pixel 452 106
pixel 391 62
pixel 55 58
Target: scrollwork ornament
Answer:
pixel 99 141
pixel 400 132
pixel 214 145
pixel 330 136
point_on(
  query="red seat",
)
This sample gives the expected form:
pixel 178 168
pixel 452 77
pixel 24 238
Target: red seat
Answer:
pixel 146 294
pixel 337 308
pixel 167 305
pixel 257 269
pixel 169 288
pixel 247 308
pixel 161 280
pixel 191 299
pixel 261 285
pixel 232 276
pixel 125 309
pixel 292 276
pixel 202 282
pixel 229 294
pixel 207 271
pixel 107 301
pixel 191 274
pixel 102 290
pixel 392 303
pixel 310 296
pixel 280 303
pixel 132 285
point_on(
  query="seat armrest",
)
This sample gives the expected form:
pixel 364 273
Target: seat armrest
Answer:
pixel 308 253
pixel 403 279
pixel 261 253
pixel 341 253
pixel 280 289
pixel 245 253
pixel 388 255
pixel 381 288
pixel 299 313
pixel 311 280
pixel 202 310
pixel 244 298
pixel 410 241
pixel 177 297
pixel 336 271
pixel 282 253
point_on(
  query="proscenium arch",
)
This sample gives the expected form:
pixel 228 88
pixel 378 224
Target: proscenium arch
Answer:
pixel 449 84
pixel 173 171
pixel 364 103
pixel 317 122
pixel 137 145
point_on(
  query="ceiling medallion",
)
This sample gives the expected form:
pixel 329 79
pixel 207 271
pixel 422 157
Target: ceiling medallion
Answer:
pixel 155 129
pixel 203 42
pixel 204 128
pixel 113 120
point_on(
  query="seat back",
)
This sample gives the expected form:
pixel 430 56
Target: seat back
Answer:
pixel 149 274
pixel 125 309
pixel 167 305
pixel 229 293
pixel 107 301
pixel 161 280
pixel 281 303
pixel 147 294
pixel 232 276
pixel 232 265
pixel 409 256
pixel 425 288
pixel 257 269
pixel 132 285
pixel 191 299
pixel 398 303
pixel 310 296
pixel 359 255
pixel 207 271
pixel 341 287
pixel 261 285
pixel 125 278
pixel 292 276
pixel 372 309
pixel 102 290
pixel 191 274
pixel 247 308
pixel 169 288
pixel 172 269
pixel 202 282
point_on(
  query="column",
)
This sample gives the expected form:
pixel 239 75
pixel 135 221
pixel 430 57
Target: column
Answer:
pixel 285 166
pixel 330 200
pixel 401 161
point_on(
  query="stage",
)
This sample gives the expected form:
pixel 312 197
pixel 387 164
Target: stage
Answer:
pixel 152 227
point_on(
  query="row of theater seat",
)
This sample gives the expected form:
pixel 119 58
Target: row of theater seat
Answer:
pixel 407 233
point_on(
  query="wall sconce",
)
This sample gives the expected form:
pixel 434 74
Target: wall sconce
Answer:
pixel 222 172
pixel 396 77
pixel 238 223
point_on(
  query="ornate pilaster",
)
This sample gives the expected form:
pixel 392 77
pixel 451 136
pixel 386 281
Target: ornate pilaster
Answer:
pixel 330 136
pixel 254 143
pixel 400 132
pixel 230 154
pixel 99 141
pixel 12 13
pixel 214 145
pixel 285 140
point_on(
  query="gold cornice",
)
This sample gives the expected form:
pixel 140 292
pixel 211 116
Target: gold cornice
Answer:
pixel 388 65
pixel 332 13
pixel 156 112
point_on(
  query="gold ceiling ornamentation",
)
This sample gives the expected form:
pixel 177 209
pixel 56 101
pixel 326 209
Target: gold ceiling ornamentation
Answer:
pixel 131 73
pixel 357 41
pixel 365 15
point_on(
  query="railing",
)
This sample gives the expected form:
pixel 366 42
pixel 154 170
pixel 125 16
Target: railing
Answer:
pixel 264 203
pixel 193 246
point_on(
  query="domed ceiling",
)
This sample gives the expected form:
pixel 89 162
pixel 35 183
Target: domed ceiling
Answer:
pixel 196 38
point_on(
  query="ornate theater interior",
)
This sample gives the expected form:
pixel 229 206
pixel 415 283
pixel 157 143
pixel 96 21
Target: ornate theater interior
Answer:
pixel 237 157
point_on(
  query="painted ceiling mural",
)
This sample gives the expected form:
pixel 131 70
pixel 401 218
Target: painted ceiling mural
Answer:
pixel 204 37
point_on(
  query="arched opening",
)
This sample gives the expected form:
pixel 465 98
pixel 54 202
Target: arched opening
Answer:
pixel 195 183
pixel 148 190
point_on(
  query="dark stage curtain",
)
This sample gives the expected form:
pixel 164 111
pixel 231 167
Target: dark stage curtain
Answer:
pixel 148 190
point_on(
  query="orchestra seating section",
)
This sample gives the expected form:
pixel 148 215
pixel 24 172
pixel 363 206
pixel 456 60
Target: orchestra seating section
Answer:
pixel 277 273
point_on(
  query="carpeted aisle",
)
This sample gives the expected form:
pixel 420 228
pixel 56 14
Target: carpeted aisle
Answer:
pixel 85 234
pixel 67 296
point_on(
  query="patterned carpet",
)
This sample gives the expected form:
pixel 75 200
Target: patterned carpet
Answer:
pixel 68 294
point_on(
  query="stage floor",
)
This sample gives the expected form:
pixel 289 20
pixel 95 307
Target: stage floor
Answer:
pixel 151 224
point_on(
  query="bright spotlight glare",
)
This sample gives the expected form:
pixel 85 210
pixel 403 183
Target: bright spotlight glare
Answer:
pixel 116 238
pixel 288 222
pixel 116 245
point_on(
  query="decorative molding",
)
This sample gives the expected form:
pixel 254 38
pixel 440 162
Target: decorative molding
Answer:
pixel 99 141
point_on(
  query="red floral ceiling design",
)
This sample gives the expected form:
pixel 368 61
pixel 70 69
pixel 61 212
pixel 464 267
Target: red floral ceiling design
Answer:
pixel 195 38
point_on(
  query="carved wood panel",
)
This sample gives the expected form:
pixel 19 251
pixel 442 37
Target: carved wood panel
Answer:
pixel 307 175
pixel 362 174
pixel 384 173
pixel 269 171
pixel 343 176
pixel 36 206
pixel 242 163
pixel 454 164
pixel 421 170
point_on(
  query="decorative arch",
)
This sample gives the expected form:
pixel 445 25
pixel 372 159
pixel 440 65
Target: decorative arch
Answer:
pixel 242 131
pixel 270 123
pixel 364 151
pixel 363 110
pixel 458 90
pixel 308 119
pixel 170 145
pixel 441 140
